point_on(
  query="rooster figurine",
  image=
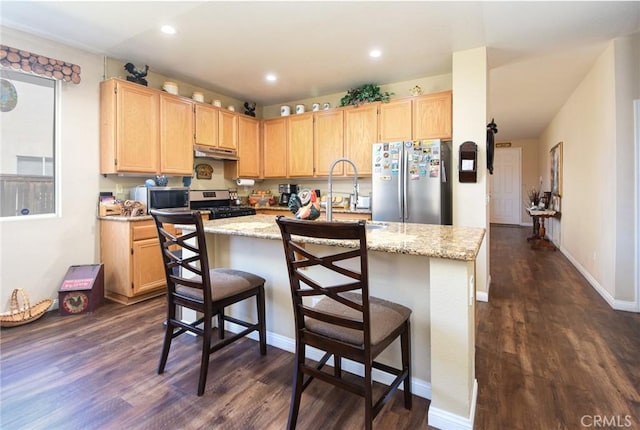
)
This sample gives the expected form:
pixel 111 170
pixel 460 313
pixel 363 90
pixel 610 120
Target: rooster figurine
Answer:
pixel 136 75
pixel 310 211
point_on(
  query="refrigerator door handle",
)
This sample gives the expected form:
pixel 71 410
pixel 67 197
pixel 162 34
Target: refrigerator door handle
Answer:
pixel 405 182
pixel 400 186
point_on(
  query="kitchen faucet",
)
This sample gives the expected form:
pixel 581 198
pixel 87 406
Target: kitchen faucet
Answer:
pixel 330 185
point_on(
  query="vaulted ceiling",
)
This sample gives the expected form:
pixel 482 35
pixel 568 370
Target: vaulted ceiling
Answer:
pixel 537 51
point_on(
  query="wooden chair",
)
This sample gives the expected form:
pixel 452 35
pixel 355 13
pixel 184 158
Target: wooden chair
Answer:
pixel 345 322
pixel 193 285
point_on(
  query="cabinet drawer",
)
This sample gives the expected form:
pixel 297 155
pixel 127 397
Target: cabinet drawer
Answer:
pixel 143 230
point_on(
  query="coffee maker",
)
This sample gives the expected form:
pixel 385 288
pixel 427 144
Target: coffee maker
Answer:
pixel 285 191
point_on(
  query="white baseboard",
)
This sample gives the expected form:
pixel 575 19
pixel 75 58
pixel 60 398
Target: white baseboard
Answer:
pixel 483 296
pixel 447 421
pixel 619 305
pixel 419 387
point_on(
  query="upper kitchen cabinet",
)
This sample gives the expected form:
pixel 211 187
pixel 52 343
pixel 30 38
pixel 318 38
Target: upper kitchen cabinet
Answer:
pixel 432 116
pixel 129 128
pixel 248 147
pixel 328 141
pixel 395 120
pixel 143 130
pixel 300 145
pixel 176 135
pixel 360 133
pixel 206 125
pixel 227 130
pixel 274 148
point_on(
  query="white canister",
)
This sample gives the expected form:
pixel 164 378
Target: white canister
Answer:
pixel 217 103
pixel 326 106
pixel 198 96
pixel 232 108
pixel 170 87
pixel 285 110
pixel 315 107
pixel 299 108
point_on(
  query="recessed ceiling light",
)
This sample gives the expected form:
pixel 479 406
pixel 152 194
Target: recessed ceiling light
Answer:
pixel 271 77
pixel 167 29
pixel 375 53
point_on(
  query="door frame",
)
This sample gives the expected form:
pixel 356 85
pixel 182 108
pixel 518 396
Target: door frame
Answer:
pixel 636 109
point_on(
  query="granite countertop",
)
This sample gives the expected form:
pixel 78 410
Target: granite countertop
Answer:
pixel 442 241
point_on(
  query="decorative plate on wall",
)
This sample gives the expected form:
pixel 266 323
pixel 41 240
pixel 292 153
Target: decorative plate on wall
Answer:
pixel 8 96
pixel 204 171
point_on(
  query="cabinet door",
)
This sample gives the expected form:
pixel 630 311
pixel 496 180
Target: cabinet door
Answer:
pixel 300 145
pixel 227 129
pixel 274 148
pixel 147 266
pixel 248 147
pixel 137 119
pixel 176 135
pixel 432 116
pixel 361 132
pixel 328 141
pixel 206 125
pixel 395 120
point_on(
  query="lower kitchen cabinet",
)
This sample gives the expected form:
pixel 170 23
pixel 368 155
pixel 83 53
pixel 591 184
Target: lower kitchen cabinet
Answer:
pixel 133 267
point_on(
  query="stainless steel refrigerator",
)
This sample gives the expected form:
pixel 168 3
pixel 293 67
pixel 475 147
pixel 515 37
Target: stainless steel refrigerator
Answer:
pixel 411 182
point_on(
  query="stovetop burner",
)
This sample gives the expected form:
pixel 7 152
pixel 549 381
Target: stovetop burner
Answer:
pixel 218 203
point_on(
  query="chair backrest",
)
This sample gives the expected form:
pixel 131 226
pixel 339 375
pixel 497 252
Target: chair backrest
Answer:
pixel 332 275
pixel 186 261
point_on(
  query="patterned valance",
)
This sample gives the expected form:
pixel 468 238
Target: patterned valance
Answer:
pixel 39 64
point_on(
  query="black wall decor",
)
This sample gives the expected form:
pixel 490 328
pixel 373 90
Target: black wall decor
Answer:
pixel 492 129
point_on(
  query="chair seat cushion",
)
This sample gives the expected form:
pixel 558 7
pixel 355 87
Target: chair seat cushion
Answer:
pixel 385 318
pixel 224 283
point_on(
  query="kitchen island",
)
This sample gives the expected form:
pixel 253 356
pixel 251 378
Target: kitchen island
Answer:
pixel 428 268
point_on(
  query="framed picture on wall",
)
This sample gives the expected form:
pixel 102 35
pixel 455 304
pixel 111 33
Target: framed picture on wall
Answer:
pixel 556 170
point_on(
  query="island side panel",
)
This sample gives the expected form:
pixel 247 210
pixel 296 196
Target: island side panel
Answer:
pixel 453 382
pixel 400 278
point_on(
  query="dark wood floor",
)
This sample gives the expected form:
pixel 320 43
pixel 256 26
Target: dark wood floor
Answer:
pixel 549 351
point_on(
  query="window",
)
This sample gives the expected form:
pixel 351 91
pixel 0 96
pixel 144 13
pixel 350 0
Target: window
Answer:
pixel 27 144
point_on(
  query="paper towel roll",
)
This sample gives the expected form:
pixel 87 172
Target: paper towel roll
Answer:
pixel 246 182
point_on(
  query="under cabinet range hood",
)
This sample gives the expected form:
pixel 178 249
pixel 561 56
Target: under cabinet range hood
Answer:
pixel 201 151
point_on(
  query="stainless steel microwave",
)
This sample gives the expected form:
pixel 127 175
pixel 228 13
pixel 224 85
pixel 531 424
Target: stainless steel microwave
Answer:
pixel 161 197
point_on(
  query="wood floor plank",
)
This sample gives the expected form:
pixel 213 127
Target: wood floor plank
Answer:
pixel 549 351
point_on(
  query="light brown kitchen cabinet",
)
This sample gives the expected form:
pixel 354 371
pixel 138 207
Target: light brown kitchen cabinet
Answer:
pixel 300 145
pixel 395 120
pixel 249 161
pixel 129 128
pixel 227 130
pixel 133 267
pixel 328 141
pixel 176 135
pixel 143 130
pixel 206 124
pixel 361 132
pixel 432 116
pixel 274 148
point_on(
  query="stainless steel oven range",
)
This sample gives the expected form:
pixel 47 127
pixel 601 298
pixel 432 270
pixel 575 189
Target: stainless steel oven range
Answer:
pixel 218 203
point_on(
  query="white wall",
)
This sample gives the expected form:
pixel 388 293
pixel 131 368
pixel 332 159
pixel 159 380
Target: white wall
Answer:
pixel 470 205
pixel 596 128
pixel 36 252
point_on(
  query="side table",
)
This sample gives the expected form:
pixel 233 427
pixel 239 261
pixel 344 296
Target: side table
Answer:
pixel 538 239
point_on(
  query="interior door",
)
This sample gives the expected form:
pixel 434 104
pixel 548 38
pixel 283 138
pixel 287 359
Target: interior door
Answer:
pixel 506 201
